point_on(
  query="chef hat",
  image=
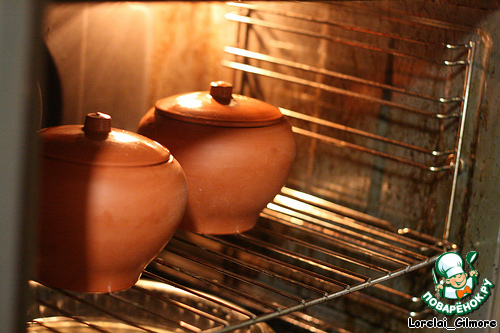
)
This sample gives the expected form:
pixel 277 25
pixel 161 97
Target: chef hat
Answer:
pixel 449 264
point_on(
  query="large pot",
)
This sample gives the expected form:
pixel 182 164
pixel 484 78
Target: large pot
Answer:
pixel 236 152
pixel 110 201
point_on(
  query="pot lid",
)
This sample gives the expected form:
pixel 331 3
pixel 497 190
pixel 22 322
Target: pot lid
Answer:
pixel 98 144
pixel 219 107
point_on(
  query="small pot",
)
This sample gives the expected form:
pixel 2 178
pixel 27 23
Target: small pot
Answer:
pixel 110 200
pixel 236 152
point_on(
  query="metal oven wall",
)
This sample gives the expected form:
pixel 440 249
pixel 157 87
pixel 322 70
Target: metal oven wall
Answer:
pixel 148 50
pixel 121 57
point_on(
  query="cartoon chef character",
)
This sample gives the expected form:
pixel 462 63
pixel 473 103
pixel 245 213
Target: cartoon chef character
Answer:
pixel 457 283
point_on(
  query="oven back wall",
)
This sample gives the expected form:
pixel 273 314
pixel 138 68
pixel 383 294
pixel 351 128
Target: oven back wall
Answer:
pixel 119 58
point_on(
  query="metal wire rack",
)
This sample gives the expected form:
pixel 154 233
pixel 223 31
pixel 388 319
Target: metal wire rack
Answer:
pixel 300 254
pixel 322 256
pixel 307 249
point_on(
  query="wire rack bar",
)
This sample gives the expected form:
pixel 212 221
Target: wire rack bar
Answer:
pixel 310 18
pixel 258 269
pixel 294 79
pixel 274 261
pixel 402 17
pixel 106 312
pixel 68 306
pixel 296 65
pixel 338 209
pixel 360 242
pixel 195 292
pixel 344 292
pixel 222 287
pixel 359 148
pixel 347 129
pixel 176 303
pixel 235 276
pixel 342 221
pixel 271 25
pixel 67 314
pixel 266 24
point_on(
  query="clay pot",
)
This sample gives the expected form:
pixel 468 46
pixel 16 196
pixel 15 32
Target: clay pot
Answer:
pixel 236 152
pixel 110 201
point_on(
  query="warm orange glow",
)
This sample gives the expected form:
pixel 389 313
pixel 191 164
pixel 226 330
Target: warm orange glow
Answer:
pixel 189 101
pixel 124 137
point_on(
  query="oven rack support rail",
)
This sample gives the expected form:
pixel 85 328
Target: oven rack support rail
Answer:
pixel 443 107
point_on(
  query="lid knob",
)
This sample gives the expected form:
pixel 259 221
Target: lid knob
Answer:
pixel 97 125
pixel 221 91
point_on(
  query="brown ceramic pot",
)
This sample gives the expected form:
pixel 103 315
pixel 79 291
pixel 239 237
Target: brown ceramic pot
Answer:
pixel 110 201
pixel 236 152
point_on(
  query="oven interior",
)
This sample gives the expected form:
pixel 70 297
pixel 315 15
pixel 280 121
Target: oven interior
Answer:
pixel 382 97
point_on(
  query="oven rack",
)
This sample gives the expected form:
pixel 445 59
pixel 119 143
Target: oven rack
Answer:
pixel 326 253
pixel 304 251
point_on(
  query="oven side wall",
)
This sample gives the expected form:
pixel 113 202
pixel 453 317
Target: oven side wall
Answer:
pixel 480 227
pixel 18 114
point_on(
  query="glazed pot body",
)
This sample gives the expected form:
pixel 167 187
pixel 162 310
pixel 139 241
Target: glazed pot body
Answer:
pixel 100 225
pixel 232 172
